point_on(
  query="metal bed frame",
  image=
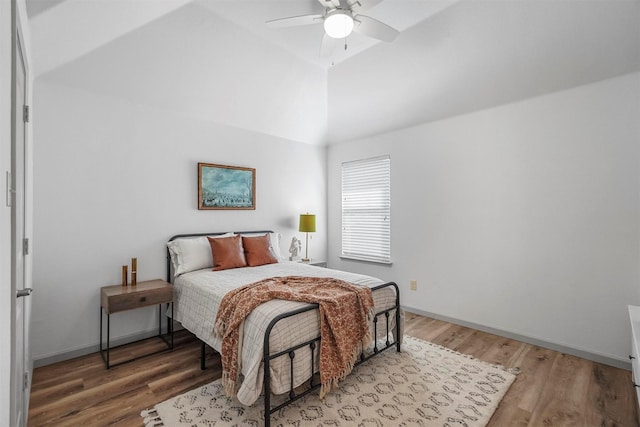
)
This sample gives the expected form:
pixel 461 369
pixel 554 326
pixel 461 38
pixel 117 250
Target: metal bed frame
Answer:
pixel 312 344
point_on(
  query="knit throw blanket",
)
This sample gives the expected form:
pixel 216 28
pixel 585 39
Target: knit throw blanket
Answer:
pixel 345 313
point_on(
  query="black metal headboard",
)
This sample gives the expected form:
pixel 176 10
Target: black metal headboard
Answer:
pixel 190 235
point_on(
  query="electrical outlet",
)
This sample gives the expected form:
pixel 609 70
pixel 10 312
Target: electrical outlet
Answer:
pixel 413 284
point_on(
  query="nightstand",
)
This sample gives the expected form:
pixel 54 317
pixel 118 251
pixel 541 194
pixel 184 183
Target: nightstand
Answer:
pixel 315 262
pixel 117 298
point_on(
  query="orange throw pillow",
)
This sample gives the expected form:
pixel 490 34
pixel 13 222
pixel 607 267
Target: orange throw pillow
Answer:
pixel 227 252
pixel 257 252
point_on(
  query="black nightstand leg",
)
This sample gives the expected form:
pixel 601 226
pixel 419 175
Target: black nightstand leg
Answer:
pixel 202 367
pixel 101 332
pixel 104 353
pixel 170 322
pixel 108 337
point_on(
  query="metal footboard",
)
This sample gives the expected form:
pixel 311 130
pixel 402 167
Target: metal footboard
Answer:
pixel 313 343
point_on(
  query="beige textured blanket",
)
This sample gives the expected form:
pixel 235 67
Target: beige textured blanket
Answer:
pixel 345 312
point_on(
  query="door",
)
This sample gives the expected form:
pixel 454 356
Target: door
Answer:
pixel 20 360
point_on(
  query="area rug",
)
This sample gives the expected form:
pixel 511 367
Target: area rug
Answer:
pixel 424 385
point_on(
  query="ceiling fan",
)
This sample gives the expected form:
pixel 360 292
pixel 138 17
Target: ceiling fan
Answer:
pixel 340 18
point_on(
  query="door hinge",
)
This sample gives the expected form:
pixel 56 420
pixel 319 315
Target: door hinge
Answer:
pixel 26 380
pixel 25 245
pixel 25 114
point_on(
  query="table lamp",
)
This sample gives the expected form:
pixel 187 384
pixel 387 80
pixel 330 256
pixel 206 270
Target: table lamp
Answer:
pixel 307 225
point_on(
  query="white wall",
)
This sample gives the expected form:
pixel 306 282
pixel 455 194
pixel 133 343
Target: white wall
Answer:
pixel 476 55
pixel 522 218
pixel 195 62
pixel 115 180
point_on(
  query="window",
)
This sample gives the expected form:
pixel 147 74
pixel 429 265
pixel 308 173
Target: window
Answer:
pixel 366 210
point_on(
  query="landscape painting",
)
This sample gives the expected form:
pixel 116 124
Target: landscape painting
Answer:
pixel 226 187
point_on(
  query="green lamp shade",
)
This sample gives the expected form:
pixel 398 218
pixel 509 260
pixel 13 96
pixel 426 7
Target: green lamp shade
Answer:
pixel 307 223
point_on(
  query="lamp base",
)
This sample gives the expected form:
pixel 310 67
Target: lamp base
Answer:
pixel 305 259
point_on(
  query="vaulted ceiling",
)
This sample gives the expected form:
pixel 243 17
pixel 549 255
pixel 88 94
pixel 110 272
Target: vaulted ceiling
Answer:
pixel 217 60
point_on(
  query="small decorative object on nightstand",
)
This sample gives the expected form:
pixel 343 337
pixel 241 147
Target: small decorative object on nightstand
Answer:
pixel 117 298
pixel 125 275
pixel 134 271
pixel 295 247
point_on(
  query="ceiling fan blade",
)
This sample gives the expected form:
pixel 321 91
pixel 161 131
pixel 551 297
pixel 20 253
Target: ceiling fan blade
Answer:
pixel 357 6
pixel 373 28
pixel 294 21
pixel 331 4
pixel 328 45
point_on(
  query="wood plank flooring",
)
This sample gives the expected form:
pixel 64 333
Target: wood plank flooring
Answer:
pixel 552 389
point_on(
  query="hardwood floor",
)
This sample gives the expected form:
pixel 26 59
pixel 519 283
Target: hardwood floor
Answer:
pixel 552 389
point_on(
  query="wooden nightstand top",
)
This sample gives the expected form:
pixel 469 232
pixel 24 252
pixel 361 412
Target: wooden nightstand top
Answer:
pixel 120 298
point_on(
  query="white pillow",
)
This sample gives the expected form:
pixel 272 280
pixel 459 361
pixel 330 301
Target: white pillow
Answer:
pixel 274 240
pixel 191 253
pixel 275 245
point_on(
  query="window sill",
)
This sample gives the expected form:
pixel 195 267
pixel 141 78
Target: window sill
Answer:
pixel 369 261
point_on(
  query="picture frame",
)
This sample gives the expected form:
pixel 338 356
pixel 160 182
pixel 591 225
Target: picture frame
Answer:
pixel 226 187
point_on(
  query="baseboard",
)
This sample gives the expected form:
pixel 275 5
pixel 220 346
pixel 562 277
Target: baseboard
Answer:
pixel 72 354
pixel 600 358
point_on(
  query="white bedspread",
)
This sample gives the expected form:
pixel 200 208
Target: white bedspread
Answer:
pixel 198 295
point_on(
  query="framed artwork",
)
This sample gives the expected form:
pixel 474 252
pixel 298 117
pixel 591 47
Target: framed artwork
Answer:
pixel 226 187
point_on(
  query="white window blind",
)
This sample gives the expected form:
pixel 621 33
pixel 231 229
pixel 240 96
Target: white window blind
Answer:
pixel 366 210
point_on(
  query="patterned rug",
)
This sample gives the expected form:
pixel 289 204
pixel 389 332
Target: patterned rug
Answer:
pixel 424 385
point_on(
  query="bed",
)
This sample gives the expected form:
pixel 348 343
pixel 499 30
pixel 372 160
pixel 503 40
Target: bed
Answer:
pixel 279 337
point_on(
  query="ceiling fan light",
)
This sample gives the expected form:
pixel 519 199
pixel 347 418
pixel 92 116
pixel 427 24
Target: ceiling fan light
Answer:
pixel 338 24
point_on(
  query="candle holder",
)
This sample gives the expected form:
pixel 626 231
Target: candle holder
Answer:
pixel 134 271
pixel 124 275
